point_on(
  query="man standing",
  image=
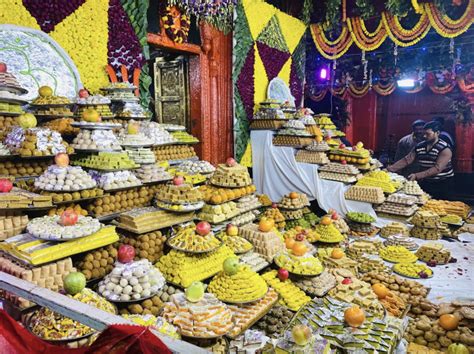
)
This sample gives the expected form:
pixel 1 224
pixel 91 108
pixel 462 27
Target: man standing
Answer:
pixel 434 158
pixel 444 135
pixel 408 143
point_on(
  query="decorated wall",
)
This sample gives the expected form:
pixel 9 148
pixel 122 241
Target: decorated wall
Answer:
pixel 93 32
pixel 267 44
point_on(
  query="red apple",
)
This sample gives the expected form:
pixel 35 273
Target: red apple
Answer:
pixel 344 162
pixel 299 237
pixel 342 146
pixel 203 228
pixel 5 184
pixel 3 68
pixel 83 93
pixel 274 205
pixel 68 218
pixel 283 274
pixel 334 216
pixel 347 281
pixel 61 159
pixel 178 180
pixel 354 148
pixel 231 162
pixel 126 254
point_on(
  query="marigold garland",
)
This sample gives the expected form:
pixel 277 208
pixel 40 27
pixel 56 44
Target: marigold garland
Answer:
pixel 331 49
pixel 403 37
pixel 446 26
pixel 365 40
pixel 390 26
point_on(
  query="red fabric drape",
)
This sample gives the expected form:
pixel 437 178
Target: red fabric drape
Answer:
pixel 116 339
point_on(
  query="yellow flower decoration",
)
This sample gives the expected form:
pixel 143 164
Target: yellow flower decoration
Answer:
pixel 291 28
pixel 258 14
pixel 260 80
pixel 246 159
pixel 14 13
pixel 84 36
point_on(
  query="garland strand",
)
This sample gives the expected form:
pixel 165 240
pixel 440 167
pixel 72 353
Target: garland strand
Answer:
pixel 355 30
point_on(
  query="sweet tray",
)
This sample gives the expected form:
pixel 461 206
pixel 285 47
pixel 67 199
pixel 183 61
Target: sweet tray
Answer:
pixel 136 146
pixel 298 274
pixel 155 227
pixel 123 188
pixel 53 116
pixel 131 301
pixel 13 89
pixel 254 320
pixel 186 208
pixel 62 340
pixel 192 252
pixel 417 278
pixel 14 100
pixel 96 126
pixel 12 114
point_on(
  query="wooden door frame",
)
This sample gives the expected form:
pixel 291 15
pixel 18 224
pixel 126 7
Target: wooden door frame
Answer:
pixel 210 88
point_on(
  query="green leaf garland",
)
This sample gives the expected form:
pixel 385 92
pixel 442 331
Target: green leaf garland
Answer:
pixel 137 14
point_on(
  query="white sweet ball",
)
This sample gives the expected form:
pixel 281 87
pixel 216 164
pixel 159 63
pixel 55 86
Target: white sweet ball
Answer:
pixel 125 297
pixel 133 281
pixel 123 282
pixel 127 289
pixel 138 288
pixel 118 289
pixel 146 293
pixel 109 286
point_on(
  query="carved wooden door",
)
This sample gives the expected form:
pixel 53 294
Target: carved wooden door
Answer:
pixel 171 91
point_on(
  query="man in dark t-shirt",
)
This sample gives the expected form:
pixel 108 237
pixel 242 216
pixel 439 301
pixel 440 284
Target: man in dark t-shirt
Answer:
pixel 434 158
pixel 407 144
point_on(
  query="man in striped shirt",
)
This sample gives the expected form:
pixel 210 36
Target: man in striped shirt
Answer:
pixel 433 156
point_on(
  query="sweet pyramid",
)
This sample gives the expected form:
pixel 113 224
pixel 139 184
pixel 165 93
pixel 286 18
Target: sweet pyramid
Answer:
pixel 195 238
pixel 64 179
pixel 294 200
pixel 231 175
pixel 328 231
pixel 131 280
pixel 178 192
pixel 237 283
pixel 263 237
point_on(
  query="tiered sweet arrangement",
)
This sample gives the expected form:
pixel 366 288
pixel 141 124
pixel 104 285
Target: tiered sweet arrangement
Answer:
pixel 379 179
pixel 46 105
pixel 314 153
pixel 372 195
pixel 229 195
pixel 356 155
pixel 399 204
pixel 361 224
pixel 178 196
pixel 426 225
pixel 292 205
pixel 268 117
pixel 340 172
pixel 99 103
pixel 293 133
pixel 394 228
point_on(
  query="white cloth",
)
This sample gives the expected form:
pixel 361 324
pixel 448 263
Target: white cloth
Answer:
pixel 276 173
